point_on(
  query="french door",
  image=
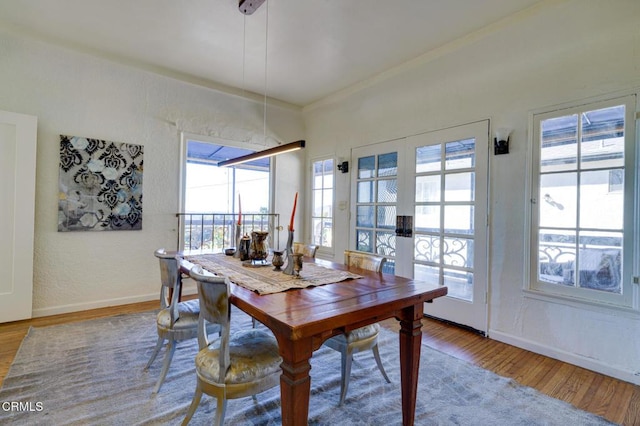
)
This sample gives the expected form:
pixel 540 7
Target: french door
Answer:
pixel 421 201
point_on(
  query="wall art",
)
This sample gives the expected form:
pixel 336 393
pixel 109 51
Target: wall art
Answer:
pixel 100 185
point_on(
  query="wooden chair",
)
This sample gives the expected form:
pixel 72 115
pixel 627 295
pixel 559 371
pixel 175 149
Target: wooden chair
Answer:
pixel 236 365
pixel 176 320
pixel 363 338
pixel 308 250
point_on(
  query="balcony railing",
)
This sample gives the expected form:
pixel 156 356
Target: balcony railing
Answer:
pixel 216 231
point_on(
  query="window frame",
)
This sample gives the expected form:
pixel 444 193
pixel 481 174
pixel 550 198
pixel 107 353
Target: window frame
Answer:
pixel 322 248
pixel 628 298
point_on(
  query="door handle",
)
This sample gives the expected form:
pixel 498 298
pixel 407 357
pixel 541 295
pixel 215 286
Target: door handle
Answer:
pixel 404 226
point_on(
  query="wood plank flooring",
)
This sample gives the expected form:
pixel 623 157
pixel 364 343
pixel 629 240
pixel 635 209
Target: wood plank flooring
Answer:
pixel 613 399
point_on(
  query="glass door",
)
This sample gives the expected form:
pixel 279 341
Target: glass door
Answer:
pixel 449 187
pixel 435 185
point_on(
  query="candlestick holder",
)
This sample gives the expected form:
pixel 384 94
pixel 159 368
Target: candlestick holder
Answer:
pixel 288 269
pixel 238 238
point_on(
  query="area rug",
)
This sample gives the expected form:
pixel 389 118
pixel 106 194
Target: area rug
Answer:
pixel 91 373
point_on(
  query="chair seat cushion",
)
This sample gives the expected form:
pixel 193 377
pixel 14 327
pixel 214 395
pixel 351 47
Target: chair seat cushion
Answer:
pixel 359 333
pixel 188 316
pixel 253 355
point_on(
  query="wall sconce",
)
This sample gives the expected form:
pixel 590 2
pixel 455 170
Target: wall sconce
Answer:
pixel 501 141
pixel 344 167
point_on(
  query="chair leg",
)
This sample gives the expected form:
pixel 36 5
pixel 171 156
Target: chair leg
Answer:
pixel 347 357
pixel 220 411
pixel 254 322
pixel 155 352
pixel 197 396
pixel 165 366
pixel 376 354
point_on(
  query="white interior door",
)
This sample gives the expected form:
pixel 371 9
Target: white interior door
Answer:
pixel 437 181
pixel 449 189
pixel 17 210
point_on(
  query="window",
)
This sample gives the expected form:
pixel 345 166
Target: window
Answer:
pixel 583 192
pixel 322 203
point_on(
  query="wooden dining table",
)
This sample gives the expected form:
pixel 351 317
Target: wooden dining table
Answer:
pixel 302 319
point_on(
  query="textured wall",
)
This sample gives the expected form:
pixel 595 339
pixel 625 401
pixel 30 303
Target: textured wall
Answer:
pixel 77 94
pixel 562 51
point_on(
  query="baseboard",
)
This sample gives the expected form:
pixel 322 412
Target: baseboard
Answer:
pixel 589 364
pixel 76 307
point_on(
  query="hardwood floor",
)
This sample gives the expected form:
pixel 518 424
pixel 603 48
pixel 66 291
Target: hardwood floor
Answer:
pixel 613 399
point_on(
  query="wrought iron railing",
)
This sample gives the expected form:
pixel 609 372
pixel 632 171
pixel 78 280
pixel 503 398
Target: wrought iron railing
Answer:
pixel 216 231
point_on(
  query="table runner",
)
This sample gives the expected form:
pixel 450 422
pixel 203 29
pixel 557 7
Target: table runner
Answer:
pixel 263 279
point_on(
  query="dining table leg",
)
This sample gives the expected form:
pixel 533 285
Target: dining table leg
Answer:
pixel 410 341
pixel 295 382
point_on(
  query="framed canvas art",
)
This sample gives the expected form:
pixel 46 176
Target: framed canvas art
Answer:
pixel 100 185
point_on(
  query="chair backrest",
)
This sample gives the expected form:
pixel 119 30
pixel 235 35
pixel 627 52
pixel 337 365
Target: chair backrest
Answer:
pixel 368 261
pixel 308 250
pixel 171 281
pixel 213 292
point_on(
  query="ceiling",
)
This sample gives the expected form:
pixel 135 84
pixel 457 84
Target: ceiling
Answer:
pixel 313 48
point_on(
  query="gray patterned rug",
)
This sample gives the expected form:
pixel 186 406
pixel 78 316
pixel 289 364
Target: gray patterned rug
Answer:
pixel 91 373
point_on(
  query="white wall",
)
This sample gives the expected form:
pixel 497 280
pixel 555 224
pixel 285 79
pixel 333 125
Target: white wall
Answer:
pixel 77 94
pixel 562 51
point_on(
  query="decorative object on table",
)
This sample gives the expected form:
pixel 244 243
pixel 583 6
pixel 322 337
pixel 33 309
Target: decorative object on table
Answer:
pixel 238 235
pixel 100 185
pixel 297 264
pixel 277 261
pixel 230 251
pixel 259 249
pixel 289 248
pixel 243 248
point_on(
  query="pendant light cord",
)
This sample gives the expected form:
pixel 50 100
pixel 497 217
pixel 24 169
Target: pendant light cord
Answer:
pixel 266 44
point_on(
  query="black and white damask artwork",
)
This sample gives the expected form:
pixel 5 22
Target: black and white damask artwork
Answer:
pixel 100 185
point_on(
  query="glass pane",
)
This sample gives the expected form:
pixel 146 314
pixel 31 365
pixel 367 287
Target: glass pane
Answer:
pixel 317 203
pixel 328 167
pixel 386 217
pixel 316 231
pixel 428 158
pixel 602 143
pixel 365 192
pixel 556 256
pixel 600 261
pixel 326 235
pixel 317 181
pixel 388 164
pixel 427 189
pixel 458 219
pixel 459 284
pixel 599 207
pixel 427 248
pixel 459 186
pixel 364 239
pixel 387 191
pixel 386 243
pixel 426 273
pixel 366 167
pixel 460 154
pixel 458 252
pixel 557 200
pixel 328 180
pixel 427 218
pixel 559 149
pixel 327 202
pixel 365 216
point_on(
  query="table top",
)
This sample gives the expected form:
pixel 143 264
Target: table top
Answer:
pixel 332 308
